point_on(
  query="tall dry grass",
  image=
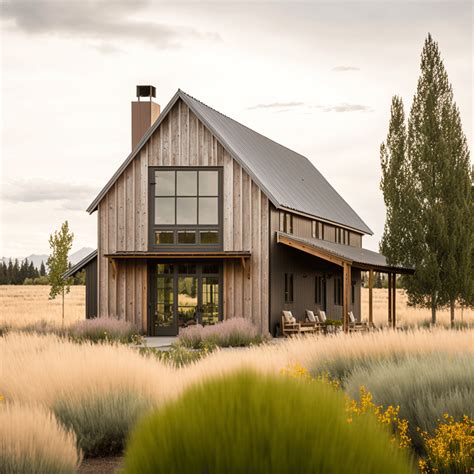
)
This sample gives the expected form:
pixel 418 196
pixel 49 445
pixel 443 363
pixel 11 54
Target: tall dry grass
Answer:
pixel 408 316
pixel 101 388
pixel 32 440
pixel 22 305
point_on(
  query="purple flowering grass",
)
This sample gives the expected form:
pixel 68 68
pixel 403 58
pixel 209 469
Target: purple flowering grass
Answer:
pixel 104 328
pixel 232 332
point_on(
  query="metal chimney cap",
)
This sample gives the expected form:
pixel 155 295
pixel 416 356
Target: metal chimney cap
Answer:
pixel 146 91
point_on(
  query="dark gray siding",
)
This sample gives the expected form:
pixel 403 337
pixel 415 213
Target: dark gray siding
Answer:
pixel 91 289
pixel 304 268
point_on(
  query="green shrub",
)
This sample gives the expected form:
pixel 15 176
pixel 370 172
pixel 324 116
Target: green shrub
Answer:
pixel 251 423
pixel 177 355
pixel 425 387
pixel 101 421
pixel 33 441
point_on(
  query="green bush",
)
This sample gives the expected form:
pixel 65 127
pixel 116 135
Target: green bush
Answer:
pixel 177 355
pixel 251 423
pixel 101 421
pixel 425 387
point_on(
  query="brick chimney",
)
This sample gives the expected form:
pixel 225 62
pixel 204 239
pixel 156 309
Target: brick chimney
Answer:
pixel 144 113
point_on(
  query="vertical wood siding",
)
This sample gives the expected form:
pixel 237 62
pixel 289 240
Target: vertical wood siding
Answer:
pixel 182 140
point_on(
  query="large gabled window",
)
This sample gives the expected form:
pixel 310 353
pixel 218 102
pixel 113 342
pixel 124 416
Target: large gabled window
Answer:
pixel 185 207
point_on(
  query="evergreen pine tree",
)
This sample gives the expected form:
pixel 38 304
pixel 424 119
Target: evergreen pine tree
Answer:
pixel 10 272
pixel 42 270
pixel 15 277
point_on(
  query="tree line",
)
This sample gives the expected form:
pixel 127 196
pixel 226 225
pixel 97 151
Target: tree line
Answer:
pixel 15 272
pixel 427 188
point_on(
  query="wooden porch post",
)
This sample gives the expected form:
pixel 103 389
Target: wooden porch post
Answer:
pixel 394 301
pixel 371 308
pixel 346 288
pixel 389 299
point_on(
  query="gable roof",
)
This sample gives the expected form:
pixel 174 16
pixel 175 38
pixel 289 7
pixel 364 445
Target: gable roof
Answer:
pixel 288 179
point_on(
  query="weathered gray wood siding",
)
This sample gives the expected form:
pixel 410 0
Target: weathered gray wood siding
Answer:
pixel 305 268
pixel 182 140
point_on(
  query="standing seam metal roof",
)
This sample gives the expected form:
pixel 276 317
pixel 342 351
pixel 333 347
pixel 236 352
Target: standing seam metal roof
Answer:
pixel 287 178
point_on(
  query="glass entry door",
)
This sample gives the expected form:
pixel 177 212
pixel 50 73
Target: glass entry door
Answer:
pixel 184 294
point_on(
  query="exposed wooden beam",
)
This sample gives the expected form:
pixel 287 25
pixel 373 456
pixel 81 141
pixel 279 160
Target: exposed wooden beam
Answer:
pixel 346 288
pixel 371 307
pixel 312 251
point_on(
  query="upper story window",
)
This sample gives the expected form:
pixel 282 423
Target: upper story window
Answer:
pixel 286 222
pixel 186 206
pixel 317 230
pixel 342 236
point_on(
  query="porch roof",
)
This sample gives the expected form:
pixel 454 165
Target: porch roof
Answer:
pixel 177 255
pixel 340 254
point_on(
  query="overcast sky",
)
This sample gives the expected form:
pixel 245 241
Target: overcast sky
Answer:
pixel 317 78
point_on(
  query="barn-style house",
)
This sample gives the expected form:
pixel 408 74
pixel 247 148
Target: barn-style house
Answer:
pixel 207 219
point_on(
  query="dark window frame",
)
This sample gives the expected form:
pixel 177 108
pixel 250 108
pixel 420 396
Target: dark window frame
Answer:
pixel 175 228
pixel 289 287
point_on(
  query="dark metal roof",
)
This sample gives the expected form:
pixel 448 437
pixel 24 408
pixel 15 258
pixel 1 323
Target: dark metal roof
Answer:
pixel 80 265
pixel 287 178
pixel 356 256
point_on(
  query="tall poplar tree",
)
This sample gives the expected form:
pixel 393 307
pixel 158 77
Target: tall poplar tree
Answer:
pixel 60 243
pixel 395 185
pixel 427 190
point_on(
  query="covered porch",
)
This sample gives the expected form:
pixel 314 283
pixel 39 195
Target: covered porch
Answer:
pixel 348 258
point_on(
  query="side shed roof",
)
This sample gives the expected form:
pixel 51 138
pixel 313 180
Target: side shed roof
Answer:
pixel 80 265
pixel 289 180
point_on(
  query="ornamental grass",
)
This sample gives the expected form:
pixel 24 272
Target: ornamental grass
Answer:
pixel 99 390
pixel 233 332
pixel 33 441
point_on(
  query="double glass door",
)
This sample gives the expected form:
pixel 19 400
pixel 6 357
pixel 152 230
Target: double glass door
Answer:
pixel 183 294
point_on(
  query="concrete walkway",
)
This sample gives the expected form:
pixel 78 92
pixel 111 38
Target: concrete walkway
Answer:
pixel 162 342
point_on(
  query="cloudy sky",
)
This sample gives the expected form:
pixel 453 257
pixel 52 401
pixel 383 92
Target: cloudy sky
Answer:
pixel 316 77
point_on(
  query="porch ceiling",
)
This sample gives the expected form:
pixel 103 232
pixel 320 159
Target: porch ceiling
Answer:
pixel 340 254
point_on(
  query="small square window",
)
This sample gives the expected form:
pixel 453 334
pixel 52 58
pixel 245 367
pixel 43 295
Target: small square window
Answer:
pixel 164 237
pixel 209 237
pixel 186 237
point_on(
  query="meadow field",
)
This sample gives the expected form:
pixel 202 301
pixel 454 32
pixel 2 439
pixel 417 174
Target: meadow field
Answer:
pixel 23 304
